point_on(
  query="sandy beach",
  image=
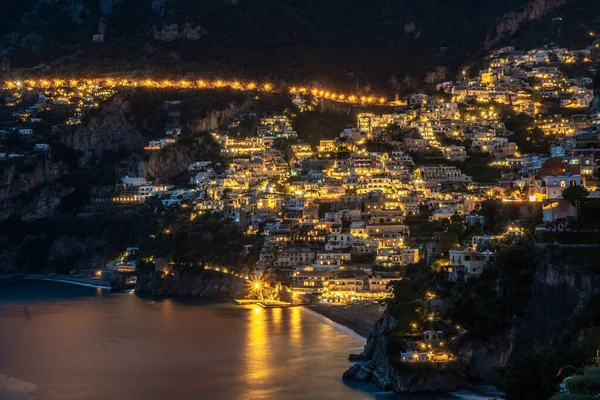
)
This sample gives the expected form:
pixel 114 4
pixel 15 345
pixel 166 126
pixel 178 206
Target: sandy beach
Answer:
pixel 359 317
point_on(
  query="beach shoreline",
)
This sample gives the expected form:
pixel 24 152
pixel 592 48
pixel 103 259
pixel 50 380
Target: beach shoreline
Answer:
pixel 360 318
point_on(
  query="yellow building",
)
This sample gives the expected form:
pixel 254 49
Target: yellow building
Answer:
pixel 326 146
pixel 301 150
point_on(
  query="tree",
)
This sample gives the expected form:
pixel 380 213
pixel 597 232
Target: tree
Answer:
pixel 514 193
pixel 575 194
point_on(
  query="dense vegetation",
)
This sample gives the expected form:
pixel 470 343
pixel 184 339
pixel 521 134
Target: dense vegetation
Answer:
pixel 63 243
pixel 313 126
pixel 528 138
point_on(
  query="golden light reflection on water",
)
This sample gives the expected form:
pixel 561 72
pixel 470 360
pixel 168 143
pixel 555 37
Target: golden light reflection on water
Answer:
pixel 257 346
pixel 258 363
pixel 167 306
pixel 295 327
pixel 276 314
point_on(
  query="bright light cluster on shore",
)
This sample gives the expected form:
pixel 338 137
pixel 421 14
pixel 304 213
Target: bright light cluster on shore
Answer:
pixel 264 86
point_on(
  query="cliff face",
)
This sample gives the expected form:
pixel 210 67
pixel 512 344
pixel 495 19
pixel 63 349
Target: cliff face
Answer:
pixel 113 130
pixel 206 284
pixel 16 180
pixel 509 23
pixel 482 357
pixel 26 189
pixel 213 119
pixel 42 202
pixel 174 159
pixel 561 288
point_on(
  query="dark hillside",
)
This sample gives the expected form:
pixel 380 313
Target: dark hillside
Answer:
pixel 355 44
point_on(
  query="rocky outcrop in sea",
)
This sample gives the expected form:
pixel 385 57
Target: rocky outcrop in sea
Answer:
pixel 375 365
pixel 206 284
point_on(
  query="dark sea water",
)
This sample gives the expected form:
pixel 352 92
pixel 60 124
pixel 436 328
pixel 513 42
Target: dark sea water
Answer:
pixel 61 341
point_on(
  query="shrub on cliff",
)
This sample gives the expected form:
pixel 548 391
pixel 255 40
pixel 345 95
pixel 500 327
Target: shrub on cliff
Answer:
pixel 407 304
pixel 406 313
pixel 488 304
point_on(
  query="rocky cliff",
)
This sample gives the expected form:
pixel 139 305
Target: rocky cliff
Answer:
pixel 114 129
pixel 562 286
pixel 215 118
pixel 207 284
pixel 167 163
pixel 41 202
pixel 24 175
pixel 509 23
pixel 388 374
pixel 174 159
pixel 25 187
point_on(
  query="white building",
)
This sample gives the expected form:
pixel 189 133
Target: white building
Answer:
pixel 394 257
pixel 199 165
pixel 454 153
pixel 332 258
pixel 441 213
pixel 473 220
pixel 553 185
pixel 129 181
pixel 466 262
pixel 146 190
pixel 42 147
pixel 442 174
